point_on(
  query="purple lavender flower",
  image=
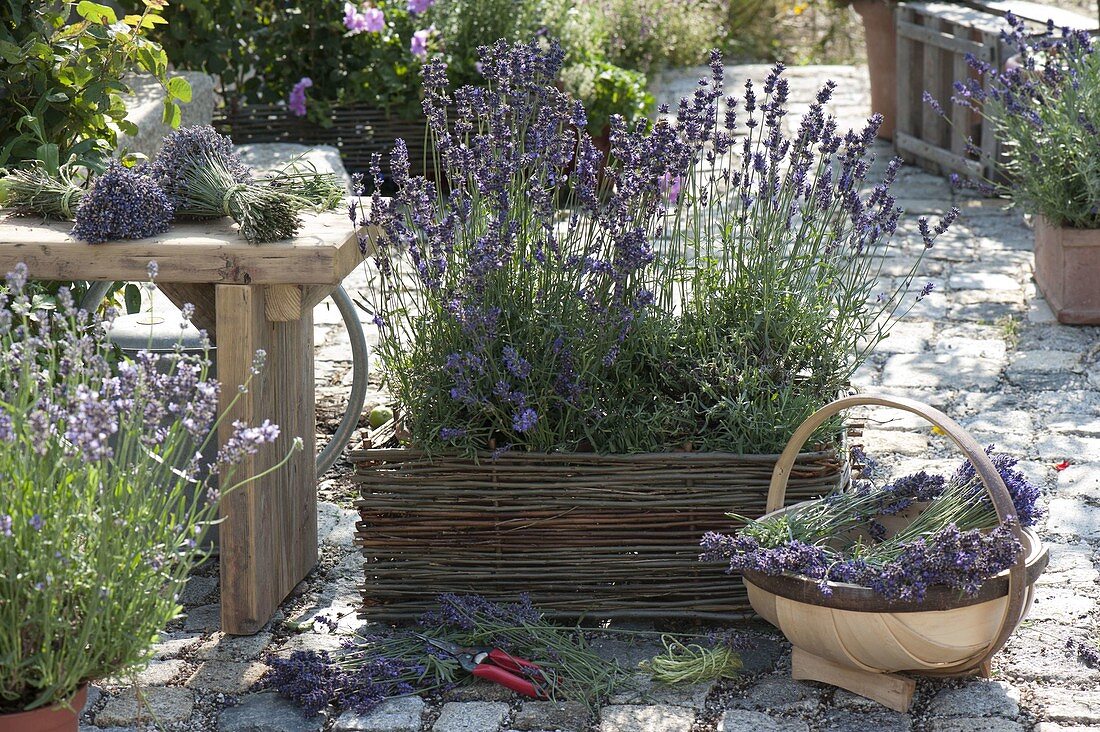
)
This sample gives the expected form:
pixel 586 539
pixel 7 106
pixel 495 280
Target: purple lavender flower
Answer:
pixel 296 102
pixel 416 7
pixel 7 429
pixel 37 522
pixel 524 420
pixel 246 441
pixel 122 204
pixel 5 525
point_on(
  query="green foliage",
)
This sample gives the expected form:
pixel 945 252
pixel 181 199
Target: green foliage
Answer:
pixel 61 83
pixel 792 31
pixel 606 89
pixel 647 35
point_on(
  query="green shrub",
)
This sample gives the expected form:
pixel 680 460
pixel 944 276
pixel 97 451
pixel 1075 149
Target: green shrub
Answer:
pixel 645 35
pixel 61 83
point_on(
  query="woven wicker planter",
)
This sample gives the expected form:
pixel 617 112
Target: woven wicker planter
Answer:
pixel 859 640
pixel 603 535
pixel 357 130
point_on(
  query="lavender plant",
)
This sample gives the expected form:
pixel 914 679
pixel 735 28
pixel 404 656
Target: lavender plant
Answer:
pixel 103 511
pixel 712 287
pixel 954 538
pixel 1046 110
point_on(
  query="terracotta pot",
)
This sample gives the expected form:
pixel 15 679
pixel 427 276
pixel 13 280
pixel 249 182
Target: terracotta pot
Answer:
pixel 882 60
pixel 58 718
pixel 1067 270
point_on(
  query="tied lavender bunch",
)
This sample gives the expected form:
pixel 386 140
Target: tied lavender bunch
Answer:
pixel 35 190
pixel 953 538
pixel 122 204
pixel 105 502
pixel 710 286
pixel 205 178
pixel 1045 107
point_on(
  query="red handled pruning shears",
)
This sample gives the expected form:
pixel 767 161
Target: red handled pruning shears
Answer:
pixel 497 666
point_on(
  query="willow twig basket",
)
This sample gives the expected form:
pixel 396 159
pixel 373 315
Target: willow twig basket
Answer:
pixel 860 641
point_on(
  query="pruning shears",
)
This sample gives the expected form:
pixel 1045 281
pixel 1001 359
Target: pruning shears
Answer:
pixel 497 666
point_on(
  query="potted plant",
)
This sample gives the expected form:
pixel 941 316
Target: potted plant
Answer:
pixel 1046 111
pixel 928 574
pixel 606 366
pixel 102 516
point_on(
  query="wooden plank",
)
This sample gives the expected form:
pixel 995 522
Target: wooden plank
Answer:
pixel 933 127
pixel 269 532
pixel 945 158
pixel 324 252
pixel 1040 13
pixel 989 144
pixel 960 115
pixel 890 690
pixel 313 295
pixel 282 303
pixel 905 71
pixel 931 36
pixel 201 296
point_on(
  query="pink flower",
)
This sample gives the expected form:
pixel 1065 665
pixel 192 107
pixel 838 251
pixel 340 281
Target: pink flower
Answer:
pixel 371 20
pixel 375 20
pixel 419 45
pixel 353 18
pixel 416 7
pixel 670 186
pixel 297 101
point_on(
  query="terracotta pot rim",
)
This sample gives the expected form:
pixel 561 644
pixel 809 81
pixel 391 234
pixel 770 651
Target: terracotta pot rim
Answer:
pixel 70 708
pixel 857 598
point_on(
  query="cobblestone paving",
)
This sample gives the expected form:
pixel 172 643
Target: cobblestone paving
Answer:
pixel 984 347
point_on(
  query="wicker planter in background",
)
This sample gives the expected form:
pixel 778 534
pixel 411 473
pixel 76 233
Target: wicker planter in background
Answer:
pixel 600 535
pixel 357 130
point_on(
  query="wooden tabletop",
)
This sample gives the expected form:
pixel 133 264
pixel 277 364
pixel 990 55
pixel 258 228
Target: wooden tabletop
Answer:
pixel 325 251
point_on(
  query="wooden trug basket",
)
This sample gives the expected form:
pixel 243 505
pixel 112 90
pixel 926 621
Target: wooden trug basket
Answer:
pixel 582 533
pixel 858 640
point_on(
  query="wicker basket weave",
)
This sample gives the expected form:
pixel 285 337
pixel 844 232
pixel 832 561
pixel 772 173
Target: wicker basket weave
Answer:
pixel 605 535
pixel 357 130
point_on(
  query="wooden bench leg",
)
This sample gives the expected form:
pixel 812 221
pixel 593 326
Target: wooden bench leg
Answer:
pixel 269 527
pixel 890 690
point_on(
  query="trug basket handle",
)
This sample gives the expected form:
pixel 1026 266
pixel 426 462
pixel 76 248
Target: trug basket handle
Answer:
pixel 990 477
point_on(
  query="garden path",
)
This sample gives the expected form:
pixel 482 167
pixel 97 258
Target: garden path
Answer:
pixel 983 347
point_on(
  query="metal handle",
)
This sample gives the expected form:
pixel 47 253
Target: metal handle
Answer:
pixel 991 480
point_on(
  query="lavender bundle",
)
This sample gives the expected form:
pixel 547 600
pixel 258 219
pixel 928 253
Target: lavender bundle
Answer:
pixel 205 178
pixel 954 540
pixel 34 190
pixel 122 204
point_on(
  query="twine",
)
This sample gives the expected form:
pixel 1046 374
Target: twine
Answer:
pixel 66 201
pixel 234 189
